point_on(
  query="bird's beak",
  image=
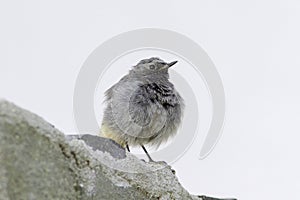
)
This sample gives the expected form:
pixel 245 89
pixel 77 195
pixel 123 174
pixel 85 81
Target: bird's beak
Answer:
pixel 171 64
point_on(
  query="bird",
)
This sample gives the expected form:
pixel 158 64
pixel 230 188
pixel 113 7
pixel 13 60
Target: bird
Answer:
pixel 143 107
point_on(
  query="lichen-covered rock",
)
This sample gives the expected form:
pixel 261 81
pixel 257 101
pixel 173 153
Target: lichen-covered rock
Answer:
pixel 37 162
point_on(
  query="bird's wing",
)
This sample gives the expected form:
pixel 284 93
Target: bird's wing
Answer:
pixel 121 99
pixel 146 111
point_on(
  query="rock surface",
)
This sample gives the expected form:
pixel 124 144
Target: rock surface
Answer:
pixel 37 162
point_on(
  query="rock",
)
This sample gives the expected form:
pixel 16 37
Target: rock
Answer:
pixel 37 162
pixel 101 144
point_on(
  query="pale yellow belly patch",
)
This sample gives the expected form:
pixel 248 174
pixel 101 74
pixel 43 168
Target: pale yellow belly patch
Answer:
pixel 106 132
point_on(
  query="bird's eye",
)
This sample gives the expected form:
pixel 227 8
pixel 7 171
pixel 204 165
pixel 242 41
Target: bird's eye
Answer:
pixel 152 67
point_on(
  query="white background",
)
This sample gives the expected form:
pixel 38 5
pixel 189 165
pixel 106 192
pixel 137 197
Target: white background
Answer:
pixel 254 45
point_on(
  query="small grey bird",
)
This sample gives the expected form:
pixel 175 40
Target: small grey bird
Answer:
pixel 143 108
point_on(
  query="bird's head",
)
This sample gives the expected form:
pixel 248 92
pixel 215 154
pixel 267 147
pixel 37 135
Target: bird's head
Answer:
pixel 152 66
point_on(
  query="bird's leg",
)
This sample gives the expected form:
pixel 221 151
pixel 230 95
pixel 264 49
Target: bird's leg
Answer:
pixel 150 159
pixel 127 147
